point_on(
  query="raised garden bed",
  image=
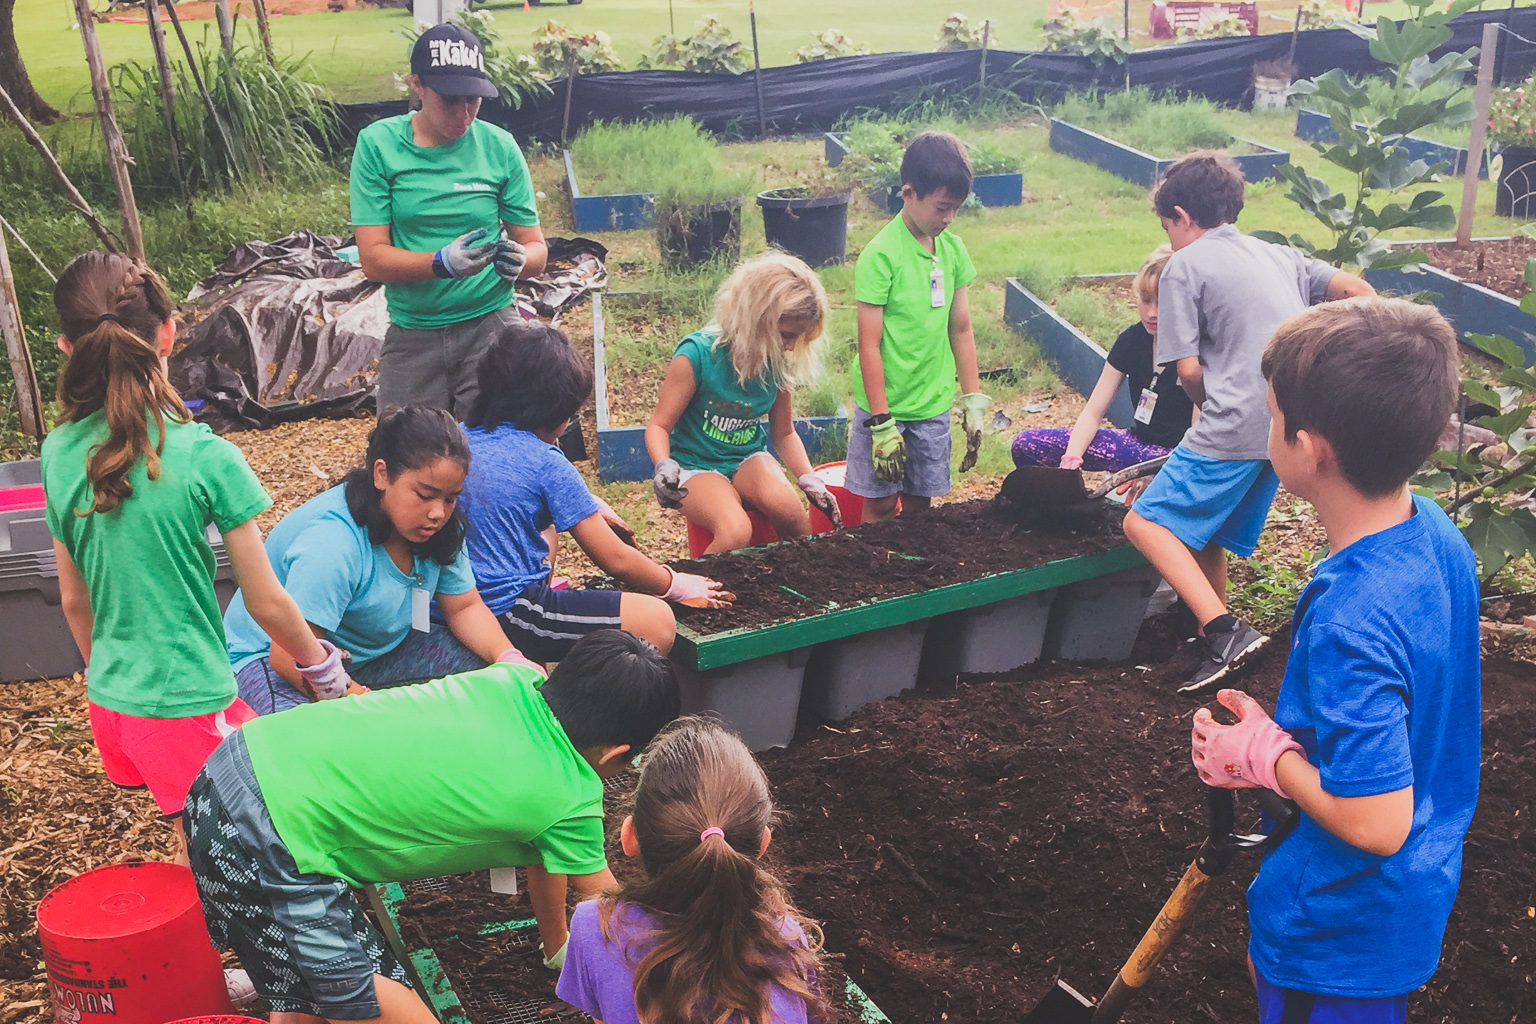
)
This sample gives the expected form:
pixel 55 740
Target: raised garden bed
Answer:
pixel 617 211
pixel 1144 169
pixel 621 451
pixel 1077 359
pixel 989 189
pixel 1314 126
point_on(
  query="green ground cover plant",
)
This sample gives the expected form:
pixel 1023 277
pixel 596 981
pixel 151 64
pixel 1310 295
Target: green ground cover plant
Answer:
pixel 650 156
pixel 1161 125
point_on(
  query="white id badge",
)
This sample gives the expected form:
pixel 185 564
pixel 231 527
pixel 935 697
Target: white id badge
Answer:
pixel 936 287
pixel 1145 406
pixel 421 610
pixel 504 880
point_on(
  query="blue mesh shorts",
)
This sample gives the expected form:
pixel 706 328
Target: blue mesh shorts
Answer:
pixel 302 937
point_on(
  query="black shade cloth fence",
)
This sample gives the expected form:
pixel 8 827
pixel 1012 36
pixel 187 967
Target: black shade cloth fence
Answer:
pixel 813 97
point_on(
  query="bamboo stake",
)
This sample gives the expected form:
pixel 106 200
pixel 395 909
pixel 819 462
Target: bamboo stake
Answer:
pixel 118 157
pixel 986 38
pixel 197 78
pixel 570 91
pixel 1482 96
pixel 29 401
pixel 264 29
pixel 757 73
pixel 167 90
pixel 226 26
pixel 72 194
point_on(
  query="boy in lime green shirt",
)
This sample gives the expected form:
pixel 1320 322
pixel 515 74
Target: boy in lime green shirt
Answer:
pixel 914 337
pixel 490 768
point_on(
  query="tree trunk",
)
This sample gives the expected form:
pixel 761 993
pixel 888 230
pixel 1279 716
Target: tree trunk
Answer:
pixel 13 73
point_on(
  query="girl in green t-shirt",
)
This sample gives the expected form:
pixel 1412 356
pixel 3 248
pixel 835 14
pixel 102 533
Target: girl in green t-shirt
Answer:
pixel 706 436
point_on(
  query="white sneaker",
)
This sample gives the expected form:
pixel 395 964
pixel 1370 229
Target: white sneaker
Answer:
pixel 237 983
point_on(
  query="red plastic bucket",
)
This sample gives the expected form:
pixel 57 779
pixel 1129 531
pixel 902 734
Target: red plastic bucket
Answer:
pixel 849 504
pixel 762 533
pixel 126 944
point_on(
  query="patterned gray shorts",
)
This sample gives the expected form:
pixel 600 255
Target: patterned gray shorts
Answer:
pixel 303 937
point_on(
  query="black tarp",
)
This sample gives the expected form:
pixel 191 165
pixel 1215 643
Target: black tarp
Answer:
pixel 813 97
pixel 285 330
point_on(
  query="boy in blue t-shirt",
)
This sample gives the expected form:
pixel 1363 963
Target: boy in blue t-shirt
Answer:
pixel 1377 728
pixel 519 487
pixel 1220 298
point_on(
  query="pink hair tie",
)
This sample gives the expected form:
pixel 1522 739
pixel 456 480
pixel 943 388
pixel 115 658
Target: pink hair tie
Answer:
pixel 711 831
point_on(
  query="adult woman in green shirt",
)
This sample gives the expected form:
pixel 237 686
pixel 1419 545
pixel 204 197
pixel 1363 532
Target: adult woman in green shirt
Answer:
pixel 432 193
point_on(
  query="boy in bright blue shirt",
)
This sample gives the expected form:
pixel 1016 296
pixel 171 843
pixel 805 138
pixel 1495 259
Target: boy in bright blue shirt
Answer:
pixel 1377 728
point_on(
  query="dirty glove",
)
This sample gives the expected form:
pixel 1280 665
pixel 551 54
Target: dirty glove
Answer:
pixel 513 656
pixel 1241 756
pixel 556 960
pixel 889 451
pixel 696 591
pixel 668 482
pixel 463 257
pixel 510 259
pixel 816 491
pixel 973 415
pixel 327 679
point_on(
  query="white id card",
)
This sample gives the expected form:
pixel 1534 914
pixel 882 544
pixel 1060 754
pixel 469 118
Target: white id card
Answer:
pixel 936 287
pixel 1145 406
pixel 421 610
pixel 504 880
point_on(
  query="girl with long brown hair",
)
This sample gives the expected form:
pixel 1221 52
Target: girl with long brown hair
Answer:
pixel 132 485
pixel 709 936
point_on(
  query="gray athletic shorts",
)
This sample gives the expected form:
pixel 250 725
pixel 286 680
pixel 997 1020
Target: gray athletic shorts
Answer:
pixel 437 367
pixel 928 453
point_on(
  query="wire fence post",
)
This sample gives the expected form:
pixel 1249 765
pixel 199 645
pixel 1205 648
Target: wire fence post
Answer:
pixel 986 38
pixel 757 74
pixel 29 400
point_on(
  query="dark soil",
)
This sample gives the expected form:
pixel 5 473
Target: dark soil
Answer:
pixel 905 555
pixel 1509 607
pixel 964 849
pixel 1497 265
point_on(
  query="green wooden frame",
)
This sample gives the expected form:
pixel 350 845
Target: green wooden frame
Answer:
pixel 705 651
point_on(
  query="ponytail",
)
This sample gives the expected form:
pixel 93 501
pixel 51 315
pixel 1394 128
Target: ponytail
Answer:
pixel 409 438
pixel 722 937
pixel 112 309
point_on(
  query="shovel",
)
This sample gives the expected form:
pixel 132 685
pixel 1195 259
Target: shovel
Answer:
pixel 1065 1005
pixel 1047 495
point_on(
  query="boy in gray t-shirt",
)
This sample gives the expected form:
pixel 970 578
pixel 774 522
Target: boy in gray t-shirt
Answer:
pixel 1220 298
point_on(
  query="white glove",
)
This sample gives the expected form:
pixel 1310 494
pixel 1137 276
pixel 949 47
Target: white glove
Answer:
pixel 327 679
pixel 816 492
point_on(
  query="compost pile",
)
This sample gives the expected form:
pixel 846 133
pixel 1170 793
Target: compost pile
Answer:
pixel 906 555
pixel 965 848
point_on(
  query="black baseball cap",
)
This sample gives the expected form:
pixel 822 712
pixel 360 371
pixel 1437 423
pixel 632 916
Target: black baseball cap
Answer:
pixel 448 59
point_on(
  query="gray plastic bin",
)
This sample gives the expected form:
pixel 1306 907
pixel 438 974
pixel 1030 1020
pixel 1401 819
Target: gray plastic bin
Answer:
pixel 760 698
pixel 846 674
pixel 1098 619
pixel 25 473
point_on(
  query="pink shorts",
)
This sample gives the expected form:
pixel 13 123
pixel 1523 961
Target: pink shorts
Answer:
pixel 162 755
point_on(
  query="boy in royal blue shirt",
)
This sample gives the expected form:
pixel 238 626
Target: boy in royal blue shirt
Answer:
pixel 1377 729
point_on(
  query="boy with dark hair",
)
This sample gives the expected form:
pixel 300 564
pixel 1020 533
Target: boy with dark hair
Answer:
pixel 1220 298
pixel 521 489
pixel 1376 732
pixel 477 770
pixel 914 336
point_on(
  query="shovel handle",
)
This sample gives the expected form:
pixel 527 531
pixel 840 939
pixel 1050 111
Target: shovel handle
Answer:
pixel 1126 475
pixel 1170 922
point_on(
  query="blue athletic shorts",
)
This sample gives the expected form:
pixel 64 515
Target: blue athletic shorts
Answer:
pixel 545 623
pixel 1199 500
pixel 928 453
pixel 1287 1006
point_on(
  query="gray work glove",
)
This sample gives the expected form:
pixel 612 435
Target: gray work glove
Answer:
pixel 816 492
pixel 510 259
pixel 668 482
pixel 465 256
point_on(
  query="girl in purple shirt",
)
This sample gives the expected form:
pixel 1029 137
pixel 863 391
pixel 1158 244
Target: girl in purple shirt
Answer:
pixel 702 820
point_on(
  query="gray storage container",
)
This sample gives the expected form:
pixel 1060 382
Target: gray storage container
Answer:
pixel 1098 619
pixel 759 699
pixel 26 472
pixel 846 674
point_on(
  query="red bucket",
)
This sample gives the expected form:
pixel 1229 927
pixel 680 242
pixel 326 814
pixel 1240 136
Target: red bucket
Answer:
pixel 126 944
pixel 27 496
pixel 849 504
pixel 762 533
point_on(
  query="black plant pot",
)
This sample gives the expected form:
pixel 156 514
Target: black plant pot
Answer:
pixel 1516 195
pixel 691 235
pixel 814 228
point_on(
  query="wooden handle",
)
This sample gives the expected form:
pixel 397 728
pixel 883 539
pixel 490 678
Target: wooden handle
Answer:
pixel 1176 912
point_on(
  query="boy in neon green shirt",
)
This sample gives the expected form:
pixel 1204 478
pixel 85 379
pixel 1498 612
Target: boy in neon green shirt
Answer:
pixel 914 336
pixel 477 770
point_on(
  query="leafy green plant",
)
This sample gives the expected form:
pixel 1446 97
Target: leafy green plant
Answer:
pixel 1511 120
pixel 957 33
pixel 1218 25
pixel 1269 599
pixel 1099 39
pixel 710 48
pixel 271 113
pixel 558 49
pixel 1321 14
pixel 1146 121
pixel 831 43
pixel 874 155
pixel 987 158
pixel 1373 154
pixel 515 76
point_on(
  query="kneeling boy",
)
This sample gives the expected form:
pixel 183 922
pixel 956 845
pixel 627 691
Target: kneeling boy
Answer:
pixel 477 770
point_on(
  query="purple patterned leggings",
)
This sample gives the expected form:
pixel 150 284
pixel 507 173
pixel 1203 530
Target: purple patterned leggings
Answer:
pixel 1111 449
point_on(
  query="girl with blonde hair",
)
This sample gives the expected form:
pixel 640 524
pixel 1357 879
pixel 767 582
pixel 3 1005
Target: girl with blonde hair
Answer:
pixel 706 437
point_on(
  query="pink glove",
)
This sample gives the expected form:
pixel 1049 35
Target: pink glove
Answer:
pixel 816 492
pixel 696 591
pixel 326 679
pixel 1240 756
pixel 1071 462
pixel 513 656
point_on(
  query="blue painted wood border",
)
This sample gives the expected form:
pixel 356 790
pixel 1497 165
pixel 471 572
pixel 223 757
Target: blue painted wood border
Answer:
pixel 621 451
pixel 1077 358
pixel 620 211
pixel 1315 126
pixel 1471 308
pixel 1143 168
pixel 1005 189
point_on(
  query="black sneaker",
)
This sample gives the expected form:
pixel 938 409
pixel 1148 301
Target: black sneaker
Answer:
pixel 1220 652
